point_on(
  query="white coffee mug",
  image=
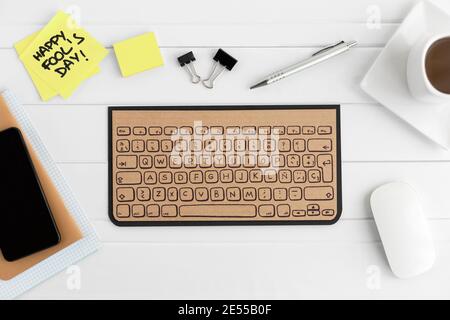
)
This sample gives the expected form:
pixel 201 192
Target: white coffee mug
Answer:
pixel 419 85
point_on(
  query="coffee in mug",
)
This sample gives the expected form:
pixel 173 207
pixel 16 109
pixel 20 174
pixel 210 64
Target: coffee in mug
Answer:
pixel 428 69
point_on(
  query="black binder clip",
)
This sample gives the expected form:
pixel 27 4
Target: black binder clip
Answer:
pixel 187 61
pixel 223 61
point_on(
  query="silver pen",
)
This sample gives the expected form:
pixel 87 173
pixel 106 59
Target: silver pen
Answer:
pixel 316 58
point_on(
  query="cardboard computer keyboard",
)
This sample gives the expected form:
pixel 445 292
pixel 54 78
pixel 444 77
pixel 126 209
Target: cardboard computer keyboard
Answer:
pixel 224 165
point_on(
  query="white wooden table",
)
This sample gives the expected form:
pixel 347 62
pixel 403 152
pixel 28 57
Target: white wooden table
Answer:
pixel 345 260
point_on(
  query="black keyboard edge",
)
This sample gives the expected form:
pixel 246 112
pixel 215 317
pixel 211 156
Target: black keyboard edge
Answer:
pixel 118 223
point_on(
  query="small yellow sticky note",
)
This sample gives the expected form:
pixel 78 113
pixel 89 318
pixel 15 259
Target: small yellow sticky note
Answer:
pixel 43 89
pixel 62 54
pixel 138 54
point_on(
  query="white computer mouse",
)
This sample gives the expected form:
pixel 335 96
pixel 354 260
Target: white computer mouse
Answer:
pixel 403 229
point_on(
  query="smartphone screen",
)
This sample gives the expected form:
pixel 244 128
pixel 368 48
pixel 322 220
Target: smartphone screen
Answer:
pixel 26 222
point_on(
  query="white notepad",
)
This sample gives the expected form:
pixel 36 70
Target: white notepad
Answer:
pixel 73 253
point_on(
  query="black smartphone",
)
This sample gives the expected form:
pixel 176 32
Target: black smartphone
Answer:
pixel 26 222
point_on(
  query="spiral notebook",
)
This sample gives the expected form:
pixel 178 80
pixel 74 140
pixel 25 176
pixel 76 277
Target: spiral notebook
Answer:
pixel 81 238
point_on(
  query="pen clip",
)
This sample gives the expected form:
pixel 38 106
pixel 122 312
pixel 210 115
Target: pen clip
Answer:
pixel 328 48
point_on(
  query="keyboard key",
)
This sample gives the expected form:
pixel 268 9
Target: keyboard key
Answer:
pixel 299 176
pixel 190 161
pixel 159 194
pixel 269 145
pixel 169 211
pixel 201 194
pixel 128 177
pixel 263 161
pixel 155 131
pixel 150 177
pixel 217 194
pixel 264 194
pixel 256 175
pixel 284 145
pixel 226 176
pixel 253 145
pixel 308 130
pixel 241 176
pixel 125 194
pixel 239 145
pixel 234 161
pixel 293 161
pixel 169 131
pixel 309 160
pixel 319 193
pixel 216 130
pixel 279 130
pixel 138 211
pixel 325 162
pixel 152 145
pixel 123 131
pixel 314 176
pixel 138 146
pixel 283 210
pixel 165 177
pixel 328 212
pixel 233 194
pixel 249 194
pixel 196 176
pixel 319 145
pixel 172 194
pixel 123 211
pixel 280 194
pixel 126 162
pixel 201 130
pixel 266 210
pixel 186 194
pixel 139 131
pixel 175 162
pixel 299 145
pixel 205 161
pixel 295 193
pixel 264 130
pixel 285 176
pixel 249 130
pixel 160 161
pixel 219 161
pixel 218 210
pixel 324 130
pixel 186 131
pixel 153 210
pixel 166 145
pixel 313 210
pixel 298 213
pixel 293 130
pixel 180 177
pixel 143 194
pixel 211 176
pixel 145 162
pixel 233 130
pixel 249 161
pixel 270 175
pixel 123 145
pixel 210 145
pixel 278 161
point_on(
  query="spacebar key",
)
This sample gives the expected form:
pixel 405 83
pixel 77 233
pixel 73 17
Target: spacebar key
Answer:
pixel 219 211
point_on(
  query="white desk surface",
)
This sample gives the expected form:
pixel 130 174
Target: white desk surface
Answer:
pixel 345 260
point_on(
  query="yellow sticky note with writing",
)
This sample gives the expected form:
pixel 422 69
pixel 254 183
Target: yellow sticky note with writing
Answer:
pixel 44 90
pixel 138 54
pixel 62 53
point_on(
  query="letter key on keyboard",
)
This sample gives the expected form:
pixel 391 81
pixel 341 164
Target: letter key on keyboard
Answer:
pixel 224 165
